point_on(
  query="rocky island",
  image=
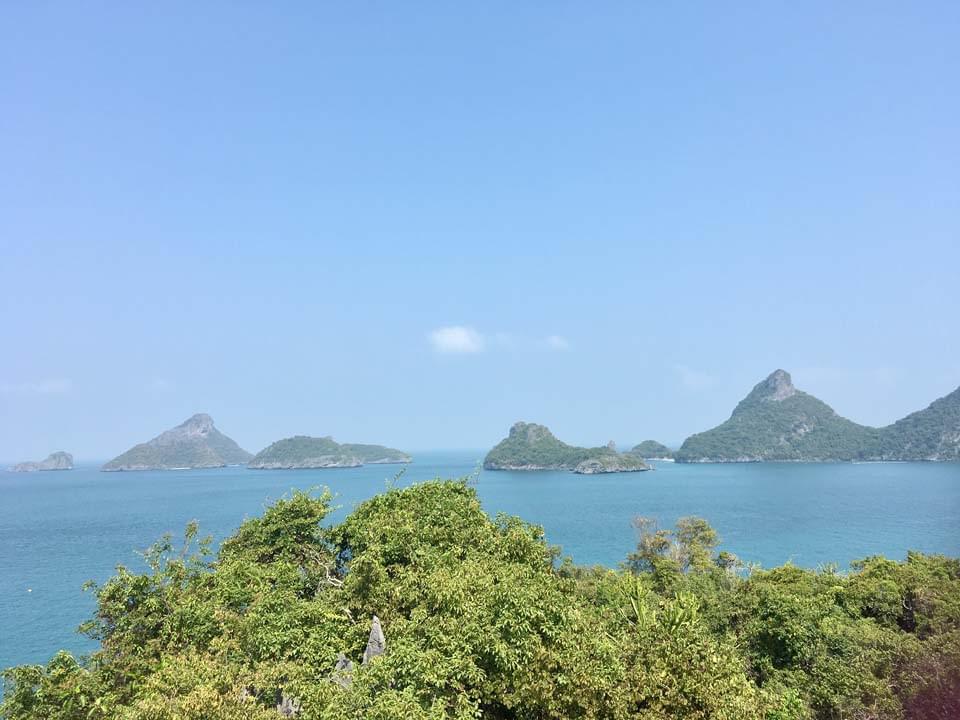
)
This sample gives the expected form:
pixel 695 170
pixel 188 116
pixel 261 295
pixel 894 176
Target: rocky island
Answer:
pixel 533 447
pixel 195 443
pixel 59 460
pixel 652 450
pixel 777 422
pixel 302 452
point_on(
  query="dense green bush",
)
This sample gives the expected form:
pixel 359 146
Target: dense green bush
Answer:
pixel 482 621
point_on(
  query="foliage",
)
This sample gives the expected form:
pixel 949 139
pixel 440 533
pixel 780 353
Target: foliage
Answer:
pixel 482 621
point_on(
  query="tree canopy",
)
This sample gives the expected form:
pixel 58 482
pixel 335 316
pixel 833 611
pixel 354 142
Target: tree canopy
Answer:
pixel 482 619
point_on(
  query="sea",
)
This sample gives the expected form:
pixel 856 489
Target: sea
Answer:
pixel 60 529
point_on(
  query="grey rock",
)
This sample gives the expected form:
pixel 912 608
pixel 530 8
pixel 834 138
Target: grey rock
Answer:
pixel 376 643
pixel 343 671
pixel 287 706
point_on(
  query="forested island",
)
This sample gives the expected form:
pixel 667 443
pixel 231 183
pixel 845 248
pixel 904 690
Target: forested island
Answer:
pixel 777 422
pixel 59 460
pixel 303 452
pixel 194 443
pixel 533 447
pixel 652 450
pixel 419 606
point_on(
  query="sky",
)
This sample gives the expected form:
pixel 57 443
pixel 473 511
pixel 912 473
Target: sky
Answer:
pixel 416 223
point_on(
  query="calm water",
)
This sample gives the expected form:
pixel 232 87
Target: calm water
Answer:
pixel 58 530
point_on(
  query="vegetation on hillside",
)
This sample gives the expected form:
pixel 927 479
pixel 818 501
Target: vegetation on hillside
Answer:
pixel 533 447
pixel 800 427
pixel 376 453
pixel 482 621
pixel 651 449
pixel 929 434
pixel 777 422
pixel 302 451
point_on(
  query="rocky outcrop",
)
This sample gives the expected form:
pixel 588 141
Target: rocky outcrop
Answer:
pixel 59 460
pixel 376 643
pixel 612 463
pixel 195 443
pixel 376 646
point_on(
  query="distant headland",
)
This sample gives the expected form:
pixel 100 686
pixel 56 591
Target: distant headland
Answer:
pixel 302 452
pixel 777 422
pixel 59 460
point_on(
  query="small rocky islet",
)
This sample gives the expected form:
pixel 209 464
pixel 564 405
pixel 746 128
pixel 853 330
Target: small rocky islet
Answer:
pixel 59 460
pixel 652 450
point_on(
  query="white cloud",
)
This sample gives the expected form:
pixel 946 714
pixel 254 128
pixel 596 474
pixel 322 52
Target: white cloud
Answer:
pixel 50 386
pixel 462 339
pixel 693 379
pixel 557 342
pixel 456 339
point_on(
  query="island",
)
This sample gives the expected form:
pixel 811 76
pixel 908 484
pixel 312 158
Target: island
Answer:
pixel 777 422
pixel 302 452
pixel 652 450
pixel 59 460
pixel 195 443
pixel 530 446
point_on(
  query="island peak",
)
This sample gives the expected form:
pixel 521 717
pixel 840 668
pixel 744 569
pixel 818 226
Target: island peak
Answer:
pixel 777 386
pixel 194 443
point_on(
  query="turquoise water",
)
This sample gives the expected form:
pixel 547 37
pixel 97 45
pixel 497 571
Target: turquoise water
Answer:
pixel 58 530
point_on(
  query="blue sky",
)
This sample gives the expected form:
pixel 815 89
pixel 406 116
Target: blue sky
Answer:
pixel 415 223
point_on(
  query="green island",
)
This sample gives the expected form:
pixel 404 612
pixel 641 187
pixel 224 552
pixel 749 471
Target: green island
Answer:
pixel 652 450
pixel 418 606
pixel 533 447
pixel 59 460
pixel 301 452
pixel 777 422
pixel 194 443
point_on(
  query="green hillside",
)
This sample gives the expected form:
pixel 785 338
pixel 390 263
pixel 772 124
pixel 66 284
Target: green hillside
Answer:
pixel 303 452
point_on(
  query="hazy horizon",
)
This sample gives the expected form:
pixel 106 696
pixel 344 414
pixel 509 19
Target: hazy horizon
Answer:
pixel 416 225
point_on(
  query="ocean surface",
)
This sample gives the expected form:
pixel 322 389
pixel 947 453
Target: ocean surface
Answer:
pixel 59 529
